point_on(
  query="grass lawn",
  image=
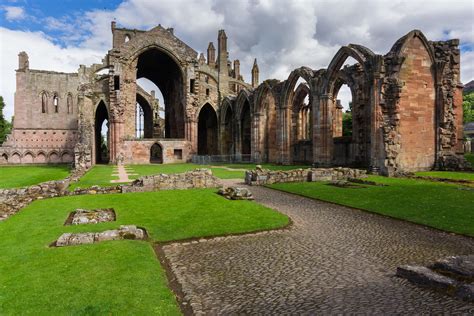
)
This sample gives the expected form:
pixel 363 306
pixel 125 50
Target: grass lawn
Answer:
pixel 448 175
pixel 114 277
pixel 102 174
pixel 20 176
pixel 440 205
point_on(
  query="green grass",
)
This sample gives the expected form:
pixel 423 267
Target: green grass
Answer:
pixel 98 175
pixel 447 175
pixel 21 176
pixel 440 205
pixel 115 277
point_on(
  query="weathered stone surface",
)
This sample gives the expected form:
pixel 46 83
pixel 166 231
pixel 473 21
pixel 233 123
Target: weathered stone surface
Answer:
pixel 236 193
pixel 465 292
pixel 459 266
pixel 124 232
pixel 426 277
pixel 199 178
pixel 82 216
pixel 262 176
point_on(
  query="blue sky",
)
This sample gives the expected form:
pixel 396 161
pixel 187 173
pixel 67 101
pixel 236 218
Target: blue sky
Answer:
pixel 283 35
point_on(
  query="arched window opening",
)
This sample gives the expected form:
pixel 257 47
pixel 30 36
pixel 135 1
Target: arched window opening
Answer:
pixel 151 121
pixel 44 103
pixel 127 38
pixel 139 121
pixel 69 103
pixel 343 115
pixel 56 103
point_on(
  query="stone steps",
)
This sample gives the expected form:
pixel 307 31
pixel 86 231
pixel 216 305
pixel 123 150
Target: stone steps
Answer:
pixel 453 276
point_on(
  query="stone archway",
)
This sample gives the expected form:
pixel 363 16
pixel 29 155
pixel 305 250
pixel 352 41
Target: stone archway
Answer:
pixel 207 131
pixel 157 66
pixel 156 153
pixel 102 142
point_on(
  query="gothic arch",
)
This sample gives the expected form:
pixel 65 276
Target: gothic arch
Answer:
pixel 306 74
pixel 360 53
pixel 243 97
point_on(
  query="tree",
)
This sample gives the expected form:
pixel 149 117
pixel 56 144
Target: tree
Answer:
pixel 468 107
pixel 5 126
pixel 347 123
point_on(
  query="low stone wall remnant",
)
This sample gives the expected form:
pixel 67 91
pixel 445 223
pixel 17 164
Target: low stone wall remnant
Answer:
pixel 261 176
pixel 12 200
pixel 198 178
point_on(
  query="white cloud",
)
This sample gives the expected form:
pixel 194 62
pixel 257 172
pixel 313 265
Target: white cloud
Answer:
pixel 43 54
pixel 281 34
pixel 14 13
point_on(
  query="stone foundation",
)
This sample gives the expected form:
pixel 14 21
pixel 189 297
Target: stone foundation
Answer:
pixel 124 232
pixel 263 176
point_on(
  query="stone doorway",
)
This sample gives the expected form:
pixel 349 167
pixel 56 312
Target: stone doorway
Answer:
pixel 207 131
pixel 156 154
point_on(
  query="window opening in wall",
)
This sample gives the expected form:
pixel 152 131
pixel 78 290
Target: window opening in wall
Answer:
pixel 116 82
pixel 56 104
pixel 44 101
pixel 191 86
pixel 207 92
pixel 140 121
pixel 127 38
pixel 178 154
pixel 69 104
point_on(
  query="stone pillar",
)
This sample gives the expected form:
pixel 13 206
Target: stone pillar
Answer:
pixel 256 148
pixel 284 136
pixel 338 119
pixel 322 131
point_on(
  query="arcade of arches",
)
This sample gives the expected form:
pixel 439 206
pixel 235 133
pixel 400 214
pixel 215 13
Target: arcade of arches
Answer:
pixel 405 114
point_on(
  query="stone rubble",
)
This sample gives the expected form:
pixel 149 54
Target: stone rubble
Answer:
pixel 236 193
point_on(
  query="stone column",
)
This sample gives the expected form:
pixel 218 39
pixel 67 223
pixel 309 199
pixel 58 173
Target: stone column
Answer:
pixel 322 131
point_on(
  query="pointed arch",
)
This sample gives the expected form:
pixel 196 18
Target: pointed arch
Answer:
pixel 242 98
pixel 44 102
pixel 207 130
pixel 307 74
pixel 227 125
pixel 102 142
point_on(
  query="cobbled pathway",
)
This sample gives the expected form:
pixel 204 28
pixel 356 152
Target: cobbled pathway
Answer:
pixel 332 260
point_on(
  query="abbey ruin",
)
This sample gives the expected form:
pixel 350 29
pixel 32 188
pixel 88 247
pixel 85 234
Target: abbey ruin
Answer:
pixel 406 108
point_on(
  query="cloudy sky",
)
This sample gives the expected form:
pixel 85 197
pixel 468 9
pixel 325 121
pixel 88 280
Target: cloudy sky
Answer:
pixel 282 34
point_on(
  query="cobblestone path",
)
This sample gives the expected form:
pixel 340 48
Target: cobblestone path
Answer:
pixel 332 260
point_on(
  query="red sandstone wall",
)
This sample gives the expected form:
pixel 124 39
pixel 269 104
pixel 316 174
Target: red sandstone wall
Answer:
pixel 417 109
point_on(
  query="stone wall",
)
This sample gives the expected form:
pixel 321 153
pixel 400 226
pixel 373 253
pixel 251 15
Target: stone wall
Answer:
pixel 197 179
pixel 263 176
pixel 138 151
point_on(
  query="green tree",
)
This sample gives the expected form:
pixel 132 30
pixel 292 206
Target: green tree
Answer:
pixel 347 123
pixel 468 107
pixel 5 126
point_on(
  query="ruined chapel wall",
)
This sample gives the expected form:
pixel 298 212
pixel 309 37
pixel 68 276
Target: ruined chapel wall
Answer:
pixel 30 87
pixel 417 109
